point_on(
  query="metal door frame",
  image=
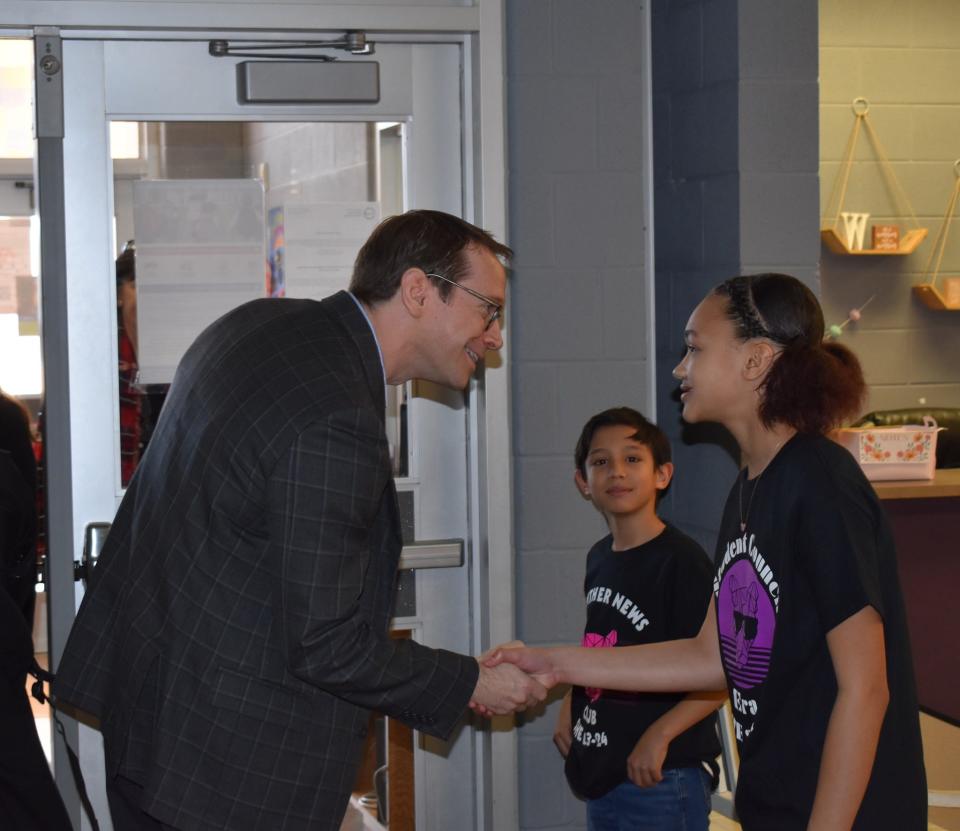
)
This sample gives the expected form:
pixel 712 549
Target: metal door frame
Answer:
pixel 490 413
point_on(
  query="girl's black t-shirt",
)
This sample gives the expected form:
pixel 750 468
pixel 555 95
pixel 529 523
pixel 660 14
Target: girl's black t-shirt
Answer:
pixel 816 549
pixel 657 591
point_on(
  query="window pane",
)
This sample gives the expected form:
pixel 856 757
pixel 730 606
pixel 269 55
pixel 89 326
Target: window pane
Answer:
pixel 124 140
pixel 222 212
pixel 16 99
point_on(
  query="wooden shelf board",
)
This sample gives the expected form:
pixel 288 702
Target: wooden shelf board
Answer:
pixel 909 243
pixel 933 298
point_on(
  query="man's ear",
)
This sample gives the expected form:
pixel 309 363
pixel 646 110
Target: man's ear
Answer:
pixel 759 357
pixel 414 290
pixel 664 474
pixel 581 484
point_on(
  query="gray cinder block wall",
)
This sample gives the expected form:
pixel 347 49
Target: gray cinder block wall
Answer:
pixel 577 324
pixel 735 168
pixel 735 155
pixel 906 64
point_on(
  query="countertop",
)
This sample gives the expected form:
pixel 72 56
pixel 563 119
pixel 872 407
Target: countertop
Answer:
pixel 946 483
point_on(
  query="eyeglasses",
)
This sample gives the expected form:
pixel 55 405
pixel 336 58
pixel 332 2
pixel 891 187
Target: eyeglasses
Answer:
pixel 494 309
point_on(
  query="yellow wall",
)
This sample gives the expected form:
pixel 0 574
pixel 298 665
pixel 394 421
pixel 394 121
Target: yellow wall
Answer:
pixel 904 58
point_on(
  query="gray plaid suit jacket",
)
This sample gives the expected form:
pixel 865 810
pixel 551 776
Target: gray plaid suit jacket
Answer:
pixel 234 637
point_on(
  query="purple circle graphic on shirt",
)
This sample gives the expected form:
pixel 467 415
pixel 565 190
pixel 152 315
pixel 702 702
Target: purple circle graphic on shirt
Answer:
pixel 747 623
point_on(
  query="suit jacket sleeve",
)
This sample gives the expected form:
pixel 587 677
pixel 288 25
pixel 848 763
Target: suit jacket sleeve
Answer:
pixel 324 497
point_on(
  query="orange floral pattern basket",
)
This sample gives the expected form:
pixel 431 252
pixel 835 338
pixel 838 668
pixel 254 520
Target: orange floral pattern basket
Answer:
pixel 887 453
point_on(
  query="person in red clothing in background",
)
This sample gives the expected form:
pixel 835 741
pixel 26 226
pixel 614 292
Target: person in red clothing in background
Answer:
pixel 131 396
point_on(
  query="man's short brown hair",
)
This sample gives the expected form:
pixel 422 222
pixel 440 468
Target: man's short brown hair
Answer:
pixel 431 240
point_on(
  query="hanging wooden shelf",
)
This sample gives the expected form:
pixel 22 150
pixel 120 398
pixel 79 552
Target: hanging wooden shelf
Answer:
pixel 933 298
pixel 928 292
pixel 909 243
pixel 832 238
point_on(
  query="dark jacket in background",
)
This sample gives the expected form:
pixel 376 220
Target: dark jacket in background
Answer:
pixel 18 515
pixel 29 800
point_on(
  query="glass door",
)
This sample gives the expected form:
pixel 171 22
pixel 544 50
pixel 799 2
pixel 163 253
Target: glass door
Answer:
pixel 179 202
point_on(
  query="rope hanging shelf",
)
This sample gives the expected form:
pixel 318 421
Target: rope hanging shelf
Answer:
pixel 848 240
pixel 928 291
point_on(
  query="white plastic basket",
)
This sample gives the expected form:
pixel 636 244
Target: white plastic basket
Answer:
pixel 891 453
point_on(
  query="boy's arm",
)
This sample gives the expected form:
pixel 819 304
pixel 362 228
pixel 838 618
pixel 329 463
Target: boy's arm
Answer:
pixel 645 763
pixel 859 661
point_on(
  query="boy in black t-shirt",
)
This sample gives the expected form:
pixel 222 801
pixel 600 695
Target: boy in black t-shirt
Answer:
pixel 639 759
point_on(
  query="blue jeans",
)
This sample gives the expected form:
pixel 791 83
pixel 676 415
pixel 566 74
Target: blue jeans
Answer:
pixel 681 802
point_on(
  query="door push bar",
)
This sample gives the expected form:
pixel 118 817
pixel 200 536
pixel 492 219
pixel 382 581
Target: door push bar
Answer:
pixel 424 554
pixel 432 554
pixel 94 535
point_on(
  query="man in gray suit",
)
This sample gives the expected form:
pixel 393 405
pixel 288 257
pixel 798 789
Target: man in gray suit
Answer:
pixel 235 635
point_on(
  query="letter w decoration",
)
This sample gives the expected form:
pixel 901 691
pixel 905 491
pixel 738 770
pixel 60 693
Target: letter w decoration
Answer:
pixel 854 226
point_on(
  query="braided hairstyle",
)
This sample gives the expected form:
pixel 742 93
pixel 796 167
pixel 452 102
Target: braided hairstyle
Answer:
pixel 813 385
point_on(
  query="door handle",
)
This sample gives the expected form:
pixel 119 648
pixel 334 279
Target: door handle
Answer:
pixel 426 554
pixel 94 535
pixel 432 554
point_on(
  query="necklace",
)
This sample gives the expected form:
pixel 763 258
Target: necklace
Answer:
pixel 753 492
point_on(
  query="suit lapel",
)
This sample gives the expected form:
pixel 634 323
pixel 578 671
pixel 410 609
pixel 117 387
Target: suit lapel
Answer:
pixel 361 335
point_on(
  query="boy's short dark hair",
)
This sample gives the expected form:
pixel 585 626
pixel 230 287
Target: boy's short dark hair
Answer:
pixel 647 433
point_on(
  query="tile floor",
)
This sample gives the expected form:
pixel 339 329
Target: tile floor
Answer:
pixel 718 822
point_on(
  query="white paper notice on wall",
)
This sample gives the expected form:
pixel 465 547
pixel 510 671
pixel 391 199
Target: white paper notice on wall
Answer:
pixel 14 260
pixel 321 243
pixel 201 251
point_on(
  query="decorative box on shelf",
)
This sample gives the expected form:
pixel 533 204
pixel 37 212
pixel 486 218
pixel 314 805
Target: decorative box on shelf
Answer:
pixel 886 238
pixel 892 453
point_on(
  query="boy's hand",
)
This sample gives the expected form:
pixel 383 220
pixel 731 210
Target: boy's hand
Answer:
pixel 563 732
pixel 645 763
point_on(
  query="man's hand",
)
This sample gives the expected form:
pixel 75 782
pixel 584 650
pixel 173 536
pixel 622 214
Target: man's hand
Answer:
pixel 563 732
pixel 645 762
pixel 505 689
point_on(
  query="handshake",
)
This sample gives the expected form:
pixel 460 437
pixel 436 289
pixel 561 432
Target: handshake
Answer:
pixel 512 678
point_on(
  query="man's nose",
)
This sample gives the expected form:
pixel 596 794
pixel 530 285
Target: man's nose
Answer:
pixel 493 337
